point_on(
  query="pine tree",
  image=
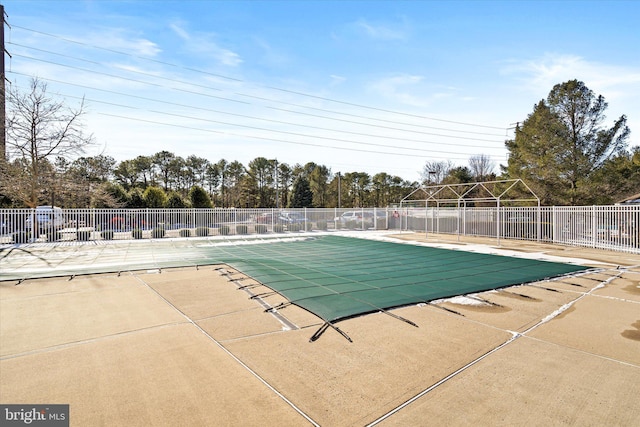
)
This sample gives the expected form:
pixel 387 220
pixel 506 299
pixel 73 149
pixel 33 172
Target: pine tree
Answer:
pixel 562 145
pixel 302 196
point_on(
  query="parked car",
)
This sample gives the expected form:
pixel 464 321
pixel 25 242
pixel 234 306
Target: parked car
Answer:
pixel 293 217
pixel 281 218
pixel 267 218
pixel 45 218
pixel 360 218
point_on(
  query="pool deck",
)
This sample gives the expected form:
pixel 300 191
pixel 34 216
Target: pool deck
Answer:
pixel 186 346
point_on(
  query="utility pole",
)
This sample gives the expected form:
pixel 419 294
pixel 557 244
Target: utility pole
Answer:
pixel 3 131
pixel 277 186
pixel 339 187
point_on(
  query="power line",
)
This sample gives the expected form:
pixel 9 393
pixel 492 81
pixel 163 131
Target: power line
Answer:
pixel 271 100
pixel 127 54
pixel 285 122
pixel 265 86
pixel 384 110
pixel 262 138
pixel 129 79
pixel 267 130
pixel 265 99
pixel 431 151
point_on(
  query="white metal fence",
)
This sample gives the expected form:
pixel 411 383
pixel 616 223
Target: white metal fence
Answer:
pixel 47 224
pixel 606 227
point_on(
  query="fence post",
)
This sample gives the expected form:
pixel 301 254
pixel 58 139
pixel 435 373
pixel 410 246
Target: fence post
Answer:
pixel 594 227
pixel 554 225
pixel 426 219
pixel 464 219
pixel 498 223
pixel 539 221
pixel 35 233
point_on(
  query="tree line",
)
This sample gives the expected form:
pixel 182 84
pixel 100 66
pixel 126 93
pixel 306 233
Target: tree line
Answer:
pixel 562 151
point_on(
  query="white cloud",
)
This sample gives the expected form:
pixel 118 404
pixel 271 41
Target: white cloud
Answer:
pixel 337 80
pixel 620 85
pixel 180 32
pixel 120 40
pixel 202 44
pixel 541 74
pixel 381 31
pixel 400 89
pixel 411 90
pixel 144 47
pixel 227 57
pixel 271 56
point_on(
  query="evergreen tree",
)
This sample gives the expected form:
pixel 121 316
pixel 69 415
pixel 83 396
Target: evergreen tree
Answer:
pixel 618 179
pixel 199 198
pixel 459 175
pixel 302 196
pixel 175 201
pixel 136 201
pixel 154 197
pixel 117 196
pixel 535 154
pixel 562 145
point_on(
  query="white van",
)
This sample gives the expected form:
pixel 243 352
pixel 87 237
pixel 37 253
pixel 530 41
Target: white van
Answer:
pixel 46 218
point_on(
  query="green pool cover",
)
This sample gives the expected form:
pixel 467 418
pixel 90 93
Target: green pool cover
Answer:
pixel 333 277
pixel 340 277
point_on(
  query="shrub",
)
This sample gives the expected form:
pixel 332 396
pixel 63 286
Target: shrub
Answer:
pixel 322 225
pixel 278 228
pixel 83 236
pixel 158 232
pixel 261 228
pixel 294 227
pixel 107 234
pixel 224 230
pixel 185 232
pixel 136 233
pixel 199 198
pixel 20 237
pixel 308 226
pixel 154 197
pixel 242 229
pixel 202 231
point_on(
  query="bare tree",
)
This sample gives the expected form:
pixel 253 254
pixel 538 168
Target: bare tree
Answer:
pixel 435 172
pixel 39 129
pixel 481 167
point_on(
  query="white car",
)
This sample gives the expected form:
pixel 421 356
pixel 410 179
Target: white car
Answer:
pixel 46 218
pixel 357 217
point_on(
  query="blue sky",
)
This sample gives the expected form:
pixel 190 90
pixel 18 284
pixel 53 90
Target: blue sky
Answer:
pixel 366 86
